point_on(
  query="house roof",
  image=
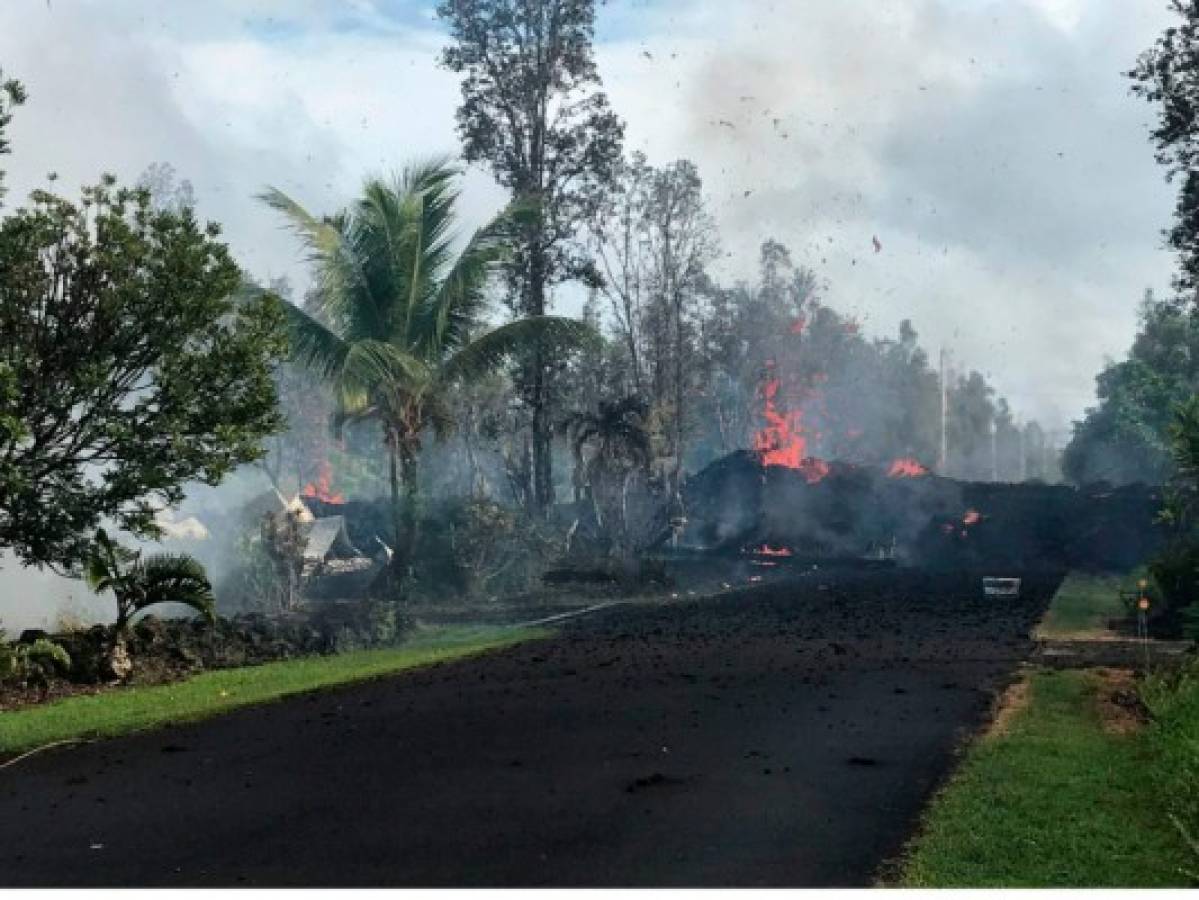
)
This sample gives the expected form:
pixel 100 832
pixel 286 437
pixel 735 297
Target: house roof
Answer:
pixel 327 539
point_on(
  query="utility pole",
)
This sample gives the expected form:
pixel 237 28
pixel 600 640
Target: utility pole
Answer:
pixel 994 455
pixel 1023 458
pixel 944 455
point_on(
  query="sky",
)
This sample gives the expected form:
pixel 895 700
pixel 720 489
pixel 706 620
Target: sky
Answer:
pixel 993 148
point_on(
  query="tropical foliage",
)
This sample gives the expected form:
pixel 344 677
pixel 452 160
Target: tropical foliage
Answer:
pixel 612 451
pixel 398 317
pixel 34 662
pixel 139 582
pixel 1127 436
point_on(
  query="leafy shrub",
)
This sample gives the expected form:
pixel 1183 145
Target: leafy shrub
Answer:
pixel 252 582
pixel 32 663
pixel 1176 572
pixel 478 547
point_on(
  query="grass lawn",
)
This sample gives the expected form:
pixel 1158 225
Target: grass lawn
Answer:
pixel 210 693
pixel 1083 604
pixel 1057 800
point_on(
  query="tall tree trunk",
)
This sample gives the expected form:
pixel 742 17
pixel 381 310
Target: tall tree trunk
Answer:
pixel 543 475
pixel 410 519
pixel 399 558
pixel 678 393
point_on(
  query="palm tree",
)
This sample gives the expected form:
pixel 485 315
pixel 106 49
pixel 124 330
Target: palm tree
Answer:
pixel 139 582
pixel 398 317
pixel 617 434
pixel 612 447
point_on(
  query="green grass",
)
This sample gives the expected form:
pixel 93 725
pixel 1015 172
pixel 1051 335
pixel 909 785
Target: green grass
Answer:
pixel 1173 701
pixel 1083 604
pixel 211 693
pixel 1055 801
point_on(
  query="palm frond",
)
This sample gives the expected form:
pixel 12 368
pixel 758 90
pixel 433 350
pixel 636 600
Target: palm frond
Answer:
pixel 174 578
pixel 487 352
pixel 343 290
pixel 313 344
pixel 343 416
pixel 105 563
pixel 322 240
pixel 429 200
pixel 376 368
pixel 460 298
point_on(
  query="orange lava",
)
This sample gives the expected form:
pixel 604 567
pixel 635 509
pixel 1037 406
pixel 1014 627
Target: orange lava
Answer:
pixel 781 441
pixel 906 468
pixel 322 488
pixel 972 517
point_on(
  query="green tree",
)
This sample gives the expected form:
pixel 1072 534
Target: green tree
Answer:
pixel 131 363
pixel 12 93
pixel 1176 566
pixel 1182 494
pixel 1126 437
pixel 399 317
pixel 1167 74
pixel 532 112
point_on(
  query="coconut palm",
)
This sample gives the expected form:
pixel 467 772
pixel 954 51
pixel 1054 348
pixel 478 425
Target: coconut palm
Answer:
pixel 398 317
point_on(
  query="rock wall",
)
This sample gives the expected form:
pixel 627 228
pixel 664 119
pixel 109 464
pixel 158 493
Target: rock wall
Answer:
pixel 162 648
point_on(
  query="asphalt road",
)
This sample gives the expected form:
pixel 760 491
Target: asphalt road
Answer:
pixel 783 736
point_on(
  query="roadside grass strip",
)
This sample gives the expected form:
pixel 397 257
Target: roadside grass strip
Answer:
pixel 1057 798
pixel 1083 605
pixel 207 694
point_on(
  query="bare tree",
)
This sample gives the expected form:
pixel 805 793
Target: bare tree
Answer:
pixel 617 238
pixel 682 241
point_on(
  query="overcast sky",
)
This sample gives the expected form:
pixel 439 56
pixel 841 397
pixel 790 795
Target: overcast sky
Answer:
pixel 992 147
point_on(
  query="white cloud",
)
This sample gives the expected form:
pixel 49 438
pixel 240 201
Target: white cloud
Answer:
pixel 992 147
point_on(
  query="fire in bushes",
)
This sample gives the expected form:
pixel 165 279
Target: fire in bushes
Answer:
pixel 322 488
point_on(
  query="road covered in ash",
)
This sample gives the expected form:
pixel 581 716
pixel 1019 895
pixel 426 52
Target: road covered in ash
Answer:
pixel 784 735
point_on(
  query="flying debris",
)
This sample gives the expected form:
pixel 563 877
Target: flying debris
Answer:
pixel 647 54
pixel 878 246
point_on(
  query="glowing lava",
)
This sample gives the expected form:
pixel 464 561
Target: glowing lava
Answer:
pixel 972 517
pixel 906 468
pixel 322 488
pixel 767 550
pixel 781 441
